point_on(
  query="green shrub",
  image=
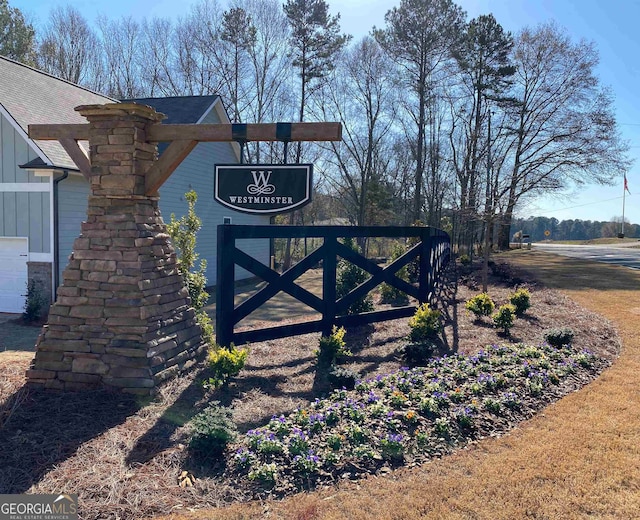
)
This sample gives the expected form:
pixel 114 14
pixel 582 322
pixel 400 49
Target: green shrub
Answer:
pixel 211 431
pixel 480 305
pixel 333 347
pixel 505 317
pixel 342 377
pixel 559 337
pixel 413 267
pixel 183 233
pixel 521 300
pixel 348 277
pixel 35 302
pixel 464 259
pixel 417 354
pixel 388 293
pixel 225 363
pixel 425 325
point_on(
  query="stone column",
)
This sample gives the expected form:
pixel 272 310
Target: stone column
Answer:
pixel 122 317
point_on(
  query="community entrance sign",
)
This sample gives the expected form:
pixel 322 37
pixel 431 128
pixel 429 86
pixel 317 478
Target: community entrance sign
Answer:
pixel 263 189
pixel 122 316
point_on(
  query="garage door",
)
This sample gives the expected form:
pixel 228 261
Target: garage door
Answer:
pixel 14 253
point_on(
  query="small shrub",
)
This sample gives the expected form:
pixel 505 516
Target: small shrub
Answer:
pixel 392 447
pixel 225 363
pixel 206 324
pixel 559 337
pixel 413 267
pixel 480 305
pixel 212 430
pixel 388 293
pixel 417 354
pixel 341 377
pixel 521 300
pixel 349 276
pixel 332 347
pixel 266 474
pixel 425 324
pixel 464 259
pixel 35 302
pixel 505 317
pixel 183 233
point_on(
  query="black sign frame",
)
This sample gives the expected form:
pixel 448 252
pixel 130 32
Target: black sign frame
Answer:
pixel 263 189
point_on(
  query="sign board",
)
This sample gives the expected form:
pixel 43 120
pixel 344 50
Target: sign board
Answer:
pixel 263 189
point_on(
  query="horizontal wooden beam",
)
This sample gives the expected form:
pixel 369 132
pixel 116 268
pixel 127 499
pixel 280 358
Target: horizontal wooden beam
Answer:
pixel 56 132
pixel 254 132
pixel 166 165
pixel 201 133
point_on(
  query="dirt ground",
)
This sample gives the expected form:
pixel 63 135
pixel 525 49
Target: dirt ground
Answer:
pixel 124 456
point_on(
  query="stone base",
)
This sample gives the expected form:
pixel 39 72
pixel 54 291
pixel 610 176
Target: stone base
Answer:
pixel 123 317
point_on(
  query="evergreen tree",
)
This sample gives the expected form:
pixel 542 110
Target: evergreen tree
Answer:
pixel 17 36
pixel 420 35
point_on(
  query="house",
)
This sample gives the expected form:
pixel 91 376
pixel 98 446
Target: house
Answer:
pixel 43 195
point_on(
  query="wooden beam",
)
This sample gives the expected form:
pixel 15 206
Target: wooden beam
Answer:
pixel 56 132
pixel 195 132
pixel 77 155
pixel 255 132
pixel 167 163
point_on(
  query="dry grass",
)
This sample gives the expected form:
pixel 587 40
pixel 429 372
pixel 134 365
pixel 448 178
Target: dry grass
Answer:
pixel 578 459
pixel 124 457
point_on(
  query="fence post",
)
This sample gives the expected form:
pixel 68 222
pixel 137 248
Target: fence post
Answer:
pixel 225 286
pixel 425 265
pixel 329 283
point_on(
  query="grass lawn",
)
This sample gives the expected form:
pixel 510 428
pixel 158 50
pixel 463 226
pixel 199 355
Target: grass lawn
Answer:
pixel 595 241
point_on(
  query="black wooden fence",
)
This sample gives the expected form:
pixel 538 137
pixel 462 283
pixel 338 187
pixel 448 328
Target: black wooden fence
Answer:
pixel 432 250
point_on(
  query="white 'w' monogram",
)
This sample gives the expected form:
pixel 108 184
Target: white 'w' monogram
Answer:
pixel 261 184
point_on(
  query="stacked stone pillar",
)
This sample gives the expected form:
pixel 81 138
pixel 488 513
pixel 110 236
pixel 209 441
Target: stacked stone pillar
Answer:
pixel 122 317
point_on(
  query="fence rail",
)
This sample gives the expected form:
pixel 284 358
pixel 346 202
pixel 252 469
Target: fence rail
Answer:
pixel 432 252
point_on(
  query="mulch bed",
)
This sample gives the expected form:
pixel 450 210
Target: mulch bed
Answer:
pixel 125 457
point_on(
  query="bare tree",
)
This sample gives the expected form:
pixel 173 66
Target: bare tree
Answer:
pixel 121 41
pixel 160 75
pixel 563 125
pixel 70 49
pixel 360 95
pixel 270 93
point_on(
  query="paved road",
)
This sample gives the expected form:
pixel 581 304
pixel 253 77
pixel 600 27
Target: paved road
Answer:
pixel 610 254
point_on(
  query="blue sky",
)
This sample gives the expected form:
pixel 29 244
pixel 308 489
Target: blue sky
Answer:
pixel 612 25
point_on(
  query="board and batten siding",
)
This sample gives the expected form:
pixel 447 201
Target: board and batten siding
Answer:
pixel 196 173
pixel 73 195
pixel 25 200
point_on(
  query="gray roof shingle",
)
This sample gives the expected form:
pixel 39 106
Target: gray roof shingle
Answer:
pixel 179 110
pixel 35 97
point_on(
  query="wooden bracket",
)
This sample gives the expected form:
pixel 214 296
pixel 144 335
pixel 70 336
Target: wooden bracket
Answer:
pixel 166 164
pixel 77 155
